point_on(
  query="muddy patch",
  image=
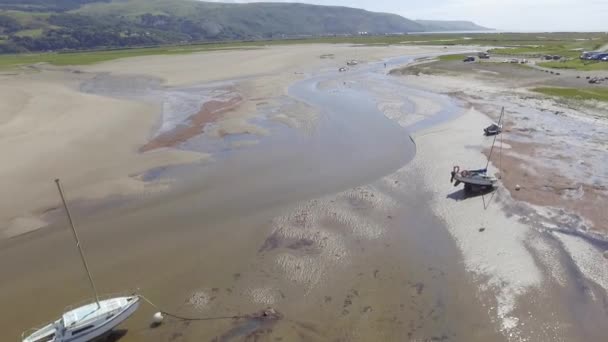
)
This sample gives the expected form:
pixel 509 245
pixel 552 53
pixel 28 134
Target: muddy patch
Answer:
pixel 209 113
pixel 251 327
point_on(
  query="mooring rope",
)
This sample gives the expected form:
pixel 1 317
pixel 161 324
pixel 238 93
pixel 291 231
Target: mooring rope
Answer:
pixel 500 124
pixel 183 318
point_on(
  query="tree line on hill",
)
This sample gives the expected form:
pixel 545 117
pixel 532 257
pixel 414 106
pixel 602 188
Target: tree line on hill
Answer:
pixel 75 31
pixel 57 25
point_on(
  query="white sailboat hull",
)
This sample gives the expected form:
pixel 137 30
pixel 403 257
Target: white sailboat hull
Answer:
pixel 478 180
pixel 106 327
pixel 87 322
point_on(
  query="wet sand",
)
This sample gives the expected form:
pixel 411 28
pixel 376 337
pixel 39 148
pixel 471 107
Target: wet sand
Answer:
pixel 554 148
pixel 283 228
pixel 210 112
pixel 545 258
pixel 90 141
pixel 334 225
pixel 57 117
pixel 553 188
pixel 363 281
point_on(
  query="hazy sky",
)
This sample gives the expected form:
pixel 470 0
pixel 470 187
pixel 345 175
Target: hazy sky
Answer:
pixel 517 15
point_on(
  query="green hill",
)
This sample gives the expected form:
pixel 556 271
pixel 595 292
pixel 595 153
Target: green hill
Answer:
pixel 51 25
pixel 450 25
pixel 255 20
pixel 44 5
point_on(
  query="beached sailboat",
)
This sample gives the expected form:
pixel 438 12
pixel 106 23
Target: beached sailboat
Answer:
pixel 91 320
pixel 477 179
pixel 493 129
pixel 473 177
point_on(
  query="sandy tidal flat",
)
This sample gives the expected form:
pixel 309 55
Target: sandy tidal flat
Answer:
pixel 533 247
pixel 93 138
pixel 321 214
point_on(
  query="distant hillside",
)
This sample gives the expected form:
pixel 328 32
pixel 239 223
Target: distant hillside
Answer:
pixel 450 25
pixel 253 20
pixel 42 25
pixel 44 5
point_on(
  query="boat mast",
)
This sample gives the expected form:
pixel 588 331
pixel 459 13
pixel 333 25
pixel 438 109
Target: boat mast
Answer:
pixel 499 132
pixel 84 260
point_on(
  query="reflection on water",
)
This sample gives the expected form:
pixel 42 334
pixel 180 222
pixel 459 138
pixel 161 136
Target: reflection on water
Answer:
pixel 208 235
pixel 352 143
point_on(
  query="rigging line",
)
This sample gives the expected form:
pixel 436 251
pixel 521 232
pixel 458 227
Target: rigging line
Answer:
pixel 500 151
pixel 500 120
pixel 75 234
pixel 493 142
pixel 487 205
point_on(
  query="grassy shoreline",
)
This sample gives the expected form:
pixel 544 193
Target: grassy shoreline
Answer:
pixel 102 55
pixel 576 64
pixel 92 57
pixel 598 94
pixel 454 57
pixel 523 43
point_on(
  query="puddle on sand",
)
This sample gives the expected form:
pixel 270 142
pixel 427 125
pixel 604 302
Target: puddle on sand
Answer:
pixel 142 88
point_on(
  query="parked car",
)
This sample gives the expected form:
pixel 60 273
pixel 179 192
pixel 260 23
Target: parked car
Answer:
pixel 557 57
pixel 587 54
pixel 483 55
pixel 605 59
pixel 469 59
pixel 596 56
pixel 548 57
pixel 514 60
pixel 600 56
